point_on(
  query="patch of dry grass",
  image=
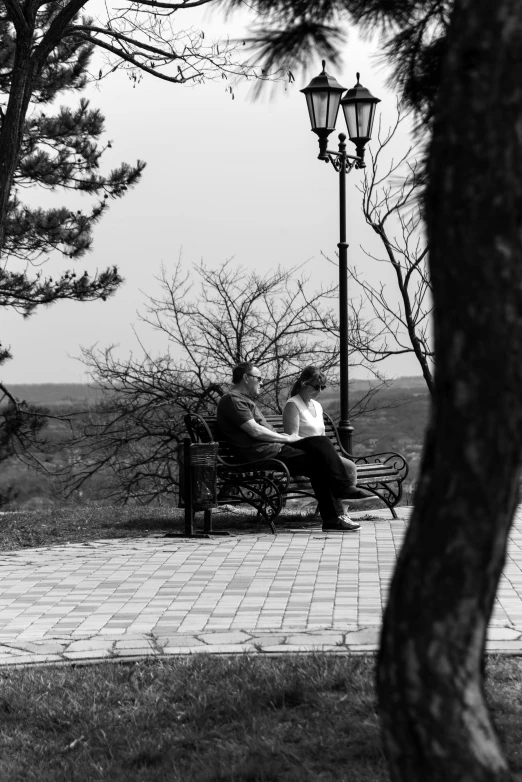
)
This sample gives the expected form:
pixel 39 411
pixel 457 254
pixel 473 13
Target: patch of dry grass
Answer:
pixel 213 719
pixel 201 719
pixel 80 524
pixel 504 695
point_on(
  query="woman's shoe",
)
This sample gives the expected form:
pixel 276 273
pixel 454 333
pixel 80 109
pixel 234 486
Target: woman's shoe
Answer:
pixel 341 524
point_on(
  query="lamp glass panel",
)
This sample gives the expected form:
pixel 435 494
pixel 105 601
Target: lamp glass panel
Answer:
pixel 364 115
pixel 373 106
pixel 310 104
pixel 333 109
pixel 351 119
pixel 359 119
pixel 320 100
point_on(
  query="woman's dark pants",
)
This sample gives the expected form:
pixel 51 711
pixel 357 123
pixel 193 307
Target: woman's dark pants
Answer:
pixel 317 458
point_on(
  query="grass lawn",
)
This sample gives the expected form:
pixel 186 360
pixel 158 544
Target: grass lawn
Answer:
pixel 210 719
pixel 79 524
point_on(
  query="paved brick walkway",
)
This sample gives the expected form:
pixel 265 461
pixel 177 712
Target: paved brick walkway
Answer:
pixel 298 591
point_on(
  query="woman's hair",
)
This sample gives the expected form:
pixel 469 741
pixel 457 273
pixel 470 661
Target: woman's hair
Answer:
pixel 307 376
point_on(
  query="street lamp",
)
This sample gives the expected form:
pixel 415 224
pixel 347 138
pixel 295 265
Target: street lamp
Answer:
pixel 323 97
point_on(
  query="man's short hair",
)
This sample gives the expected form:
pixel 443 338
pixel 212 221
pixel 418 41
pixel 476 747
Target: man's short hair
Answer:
pixel 240 370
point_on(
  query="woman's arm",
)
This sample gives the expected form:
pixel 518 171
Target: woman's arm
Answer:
pixel 291 418
pixel 319 410
pixel 260 432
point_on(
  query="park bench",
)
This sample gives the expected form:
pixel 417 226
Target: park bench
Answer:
pixel 266 485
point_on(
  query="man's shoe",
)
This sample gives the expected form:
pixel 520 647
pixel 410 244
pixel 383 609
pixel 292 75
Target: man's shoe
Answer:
pixel 341 524
pixel 357 494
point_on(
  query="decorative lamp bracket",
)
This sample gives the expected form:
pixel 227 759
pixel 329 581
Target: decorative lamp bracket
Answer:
pixel 337 159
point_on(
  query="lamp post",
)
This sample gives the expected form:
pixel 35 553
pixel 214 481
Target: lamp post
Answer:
pixel 323 97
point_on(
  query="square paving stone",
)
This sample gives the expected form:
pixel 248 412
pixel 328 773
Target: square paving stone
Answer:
pixel 235 637
pixel 94 654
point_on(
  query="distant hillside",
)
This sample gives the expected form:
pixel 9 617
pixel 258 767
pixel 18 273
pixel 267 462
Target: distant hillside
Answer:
pixel 396 421
pixel 52 393
pixel 55 393
pixel 413 382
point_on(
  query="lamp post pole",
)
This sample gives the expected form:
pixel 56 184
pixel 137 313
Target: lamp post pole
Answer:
pixel 345 427
pixel 323 98
pixel 343 164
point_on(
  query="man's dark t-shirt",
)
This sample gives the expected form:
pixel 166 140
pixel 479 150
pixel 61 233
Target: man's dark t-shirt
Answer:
pixel 235 409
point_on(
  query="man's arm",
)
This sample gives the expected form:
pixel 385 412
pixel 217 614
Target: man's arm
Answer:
pixel 259 432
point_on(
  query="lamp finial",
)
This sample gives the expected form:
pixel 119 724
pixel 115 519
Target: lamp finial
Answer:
pixel 324 65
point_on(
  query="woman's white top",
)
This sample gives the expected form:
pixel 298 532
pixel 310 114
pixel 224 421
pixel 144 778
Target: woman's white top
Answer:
pixel 311 422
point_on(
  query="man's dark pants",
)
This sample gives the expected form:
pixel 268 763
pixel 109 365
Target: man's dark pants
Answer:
pixel 317 458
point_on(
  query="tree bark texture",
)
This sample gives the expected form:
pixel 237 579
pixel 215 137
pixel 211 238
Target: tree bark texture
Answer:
pixel 11 132
pixel 435 722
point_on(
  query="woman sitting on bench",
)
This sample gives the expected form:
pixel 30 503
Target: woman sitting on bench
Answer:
pixel 303 414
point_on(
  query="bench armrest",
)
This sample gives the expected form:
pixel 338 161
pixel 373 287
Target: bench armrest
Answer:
pixel 389 458
pixel 197 428
pixel 332 427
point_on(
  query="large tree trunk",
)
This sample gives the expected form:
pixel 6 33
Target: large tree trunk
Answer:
pixel 436 725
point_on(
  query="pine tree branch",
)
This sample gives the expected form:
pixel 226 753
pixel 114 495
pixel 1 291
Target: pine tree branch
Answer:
pixel 8 394
pixel 56 29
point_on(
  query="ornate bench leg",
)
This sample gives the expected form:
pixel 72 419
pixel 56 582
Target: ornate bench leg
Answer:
pixel 385 493
pixel 260 493
pixel 262 515
pixel 390 507
pixel 189 500
pixel 189 520
pixel 207 520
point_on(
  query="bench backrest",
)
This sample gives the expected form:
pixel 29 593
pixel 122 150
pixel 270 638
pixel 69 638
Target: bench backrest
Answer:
pixel 204 429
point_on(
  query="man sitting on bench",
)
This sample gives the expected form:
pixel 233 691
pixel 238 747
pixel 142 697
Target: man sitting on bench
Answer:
pixel 245 428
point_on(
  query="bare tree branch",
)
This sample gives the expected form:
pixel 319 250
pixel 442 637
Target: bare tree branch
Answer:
pixel 400 322
pixel 126 444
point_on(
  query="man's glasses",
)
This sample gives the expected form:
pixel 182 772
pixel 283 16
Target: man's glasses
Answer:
pixel 256 377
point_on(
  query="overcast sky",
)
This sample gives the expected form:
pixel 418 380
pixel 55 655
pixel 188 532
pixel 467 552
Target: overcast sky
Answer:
pixel 224 179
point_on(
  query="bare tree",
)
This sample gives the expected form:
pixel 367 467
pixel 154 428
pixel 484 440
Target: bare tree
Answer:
pixel 398 318
pixel 124 448
pixel 392 208
pixel 213 319
pixel 24 436
pixel 21 425
pixel 233 315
